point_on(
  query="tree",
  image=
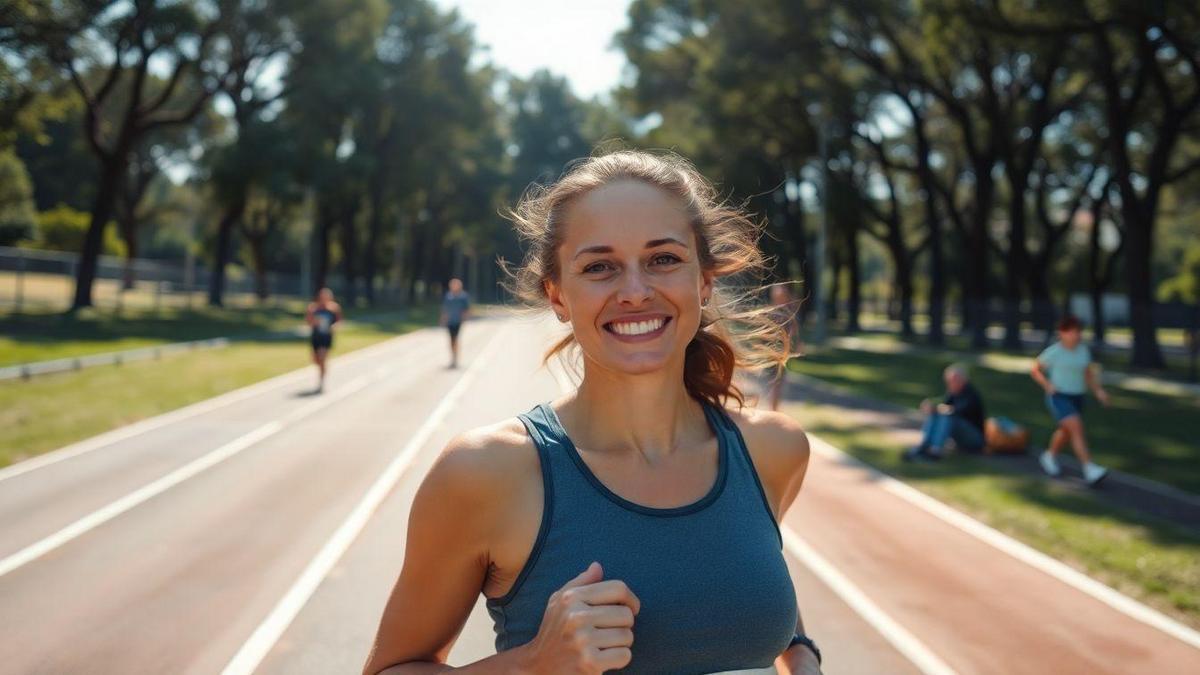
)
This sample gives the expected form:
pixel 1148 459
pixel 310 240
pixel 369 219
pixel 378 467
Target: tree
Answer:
pixel 118 41
pixel 258 40
pixel 1146 60
pixel 17 215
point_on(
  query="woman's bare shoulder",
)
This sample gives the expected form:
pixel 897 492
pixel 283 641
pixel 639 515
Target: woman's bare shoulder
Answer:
pixel 777 443
pixel 487 462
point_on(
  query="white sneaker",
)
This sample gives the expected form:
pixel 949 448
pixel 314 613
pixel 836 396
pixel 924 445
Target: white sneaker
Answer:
pixel 1094 473
pixel 1049 464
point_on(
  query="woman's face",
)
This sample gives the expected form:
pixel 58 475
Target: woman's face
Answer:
pixel 1070 338
pixel 630 281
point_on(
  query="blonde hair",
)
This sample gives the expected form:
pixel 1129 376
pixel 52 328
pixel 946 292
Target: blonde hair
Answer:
pixel 734 332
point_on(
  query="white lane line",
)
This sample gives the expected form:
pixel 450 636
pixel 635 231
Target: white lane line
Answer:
pixel 904 642
pixel 1023 552
pixel 160 485
pixel 272 628
pixel 198 408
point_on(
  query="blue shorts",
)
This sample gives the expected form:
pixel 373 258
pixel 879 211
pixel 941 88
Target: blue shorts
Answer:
pixel 1063 406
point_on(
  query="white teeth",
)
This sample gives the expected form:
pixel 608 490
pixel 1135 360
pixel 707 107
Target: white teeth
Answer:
pixel 638 327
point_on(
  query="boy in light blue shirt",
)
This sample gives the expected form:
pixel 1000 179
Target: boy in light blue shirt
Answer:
pixel 1064 370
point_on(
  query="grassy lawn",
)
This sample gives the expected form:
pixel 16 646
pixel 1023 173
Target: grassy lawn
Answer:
pixel 1151 560
pixel 54 410
pixel 52 335
pixel 1141 433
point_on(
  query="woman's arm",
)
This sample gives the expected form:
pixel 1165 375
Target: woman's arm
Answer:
pixel 797 659
pixel 1093 382
pixel 445 564
pixel 1040 377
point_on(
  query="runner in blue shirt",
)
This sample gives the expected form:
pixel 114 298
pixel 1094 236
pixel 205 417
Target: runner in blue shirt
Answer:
pixel 1065 369
pixel 455 308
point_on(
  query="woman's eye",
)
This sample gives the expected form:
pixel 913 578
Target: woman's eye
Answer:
pixel 595 267
pixel 668 258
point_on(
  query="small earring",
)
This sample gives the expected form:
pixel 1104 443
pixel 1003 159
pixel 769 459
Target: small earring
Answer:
pixel 560 316
pixel 704 302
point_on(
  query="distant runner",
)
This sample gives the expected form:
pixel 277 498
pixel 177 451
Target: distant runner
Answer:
pixel 1064 369
pixel 322 316
pixel 455 308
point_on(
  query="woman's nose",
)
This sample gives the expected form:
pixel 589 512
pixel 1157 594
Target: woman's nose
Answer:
pixel 634 289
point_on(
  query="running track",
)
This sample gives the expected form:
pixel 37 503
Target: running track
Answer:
pixel 261 532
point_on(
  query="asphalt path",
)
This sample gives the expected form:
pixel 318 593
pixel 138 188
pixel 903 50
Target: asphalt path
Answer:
pixel 262 531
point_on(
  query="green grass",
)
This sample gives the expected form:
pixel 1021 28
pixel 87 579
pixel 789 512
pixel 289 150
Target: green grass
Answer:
pixel 41 336
pixel 1149 559
pixel 1146 434
pixel 51 411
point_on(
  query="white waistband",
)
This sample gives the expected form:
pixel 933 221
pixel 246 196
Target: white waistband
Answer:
pixel 769 670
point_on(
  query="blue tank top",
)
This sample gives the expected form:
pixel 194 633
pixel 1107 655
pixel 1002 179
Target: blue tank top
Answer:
pixel 715 590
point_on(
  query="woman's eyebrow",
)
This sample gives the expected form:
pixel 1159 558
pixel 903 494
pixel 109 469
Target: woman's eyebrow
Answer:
pixel 650 244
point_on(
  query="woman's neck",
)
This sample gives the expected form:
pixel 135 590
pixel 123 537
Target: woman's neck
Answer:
pixel 649 414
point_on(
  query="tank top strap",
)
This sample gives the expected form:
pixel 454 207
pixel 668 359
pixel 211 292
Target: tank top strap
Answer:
pixel 742 467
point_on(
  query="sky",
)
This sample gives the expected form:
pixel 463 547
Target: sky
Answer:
pixel 568 37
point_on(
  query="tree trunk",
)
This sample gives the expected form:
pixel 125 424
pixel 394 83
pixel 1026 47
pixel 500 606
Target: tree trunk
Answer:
pixel 835 283
pixel 794 219
pixel 102 209
pixel 1017 269
pixel 415 268
pixel 258 252
pixel 977 256
pixel 1138 249
pixel 374 231
pixel 129 236
pixel 350 253
pixel 224 250
pixel 854 304
pixel 321 245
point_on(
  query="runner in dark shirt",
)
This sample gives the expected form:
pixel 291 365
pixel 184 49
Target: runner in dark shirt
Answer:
pixel 322 315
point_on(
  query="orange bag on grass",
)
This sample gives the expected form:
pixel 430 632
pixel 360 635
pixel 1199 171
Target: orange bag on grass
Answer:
pixel 1004 437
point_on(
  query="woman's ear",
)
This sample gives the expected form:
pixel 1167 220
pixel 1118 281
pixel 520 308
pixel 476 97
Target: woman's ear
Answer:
pixel 706 285
pixel 554 295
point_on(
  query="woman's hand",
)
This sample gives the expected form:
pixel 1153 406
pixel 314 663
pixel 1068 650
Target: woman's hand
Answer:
pixel 587 627
pixel 1102 396
pixel 926 406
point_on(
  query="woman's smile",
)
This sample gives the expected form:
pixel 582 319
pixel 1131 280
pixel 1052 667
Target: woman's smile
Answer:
pixel 637 328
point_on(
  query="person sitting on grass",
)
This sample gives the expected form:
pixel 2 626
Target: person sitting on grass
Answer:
pixel 1070 369
pixel 959 416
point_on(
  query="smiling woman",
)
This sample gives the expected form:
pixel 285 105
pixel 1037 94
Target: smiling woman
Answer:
pixel 573 518
pixel 703 239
